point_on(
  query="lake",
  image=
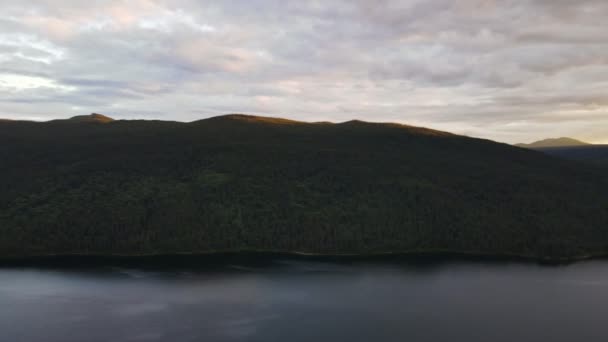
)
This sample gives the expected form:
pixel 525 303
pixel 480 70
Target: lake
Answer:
pixel 300 299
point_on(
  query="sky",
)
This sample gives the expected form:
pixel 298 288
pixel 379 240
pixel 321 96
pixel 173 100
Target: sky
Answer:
pixel 507 70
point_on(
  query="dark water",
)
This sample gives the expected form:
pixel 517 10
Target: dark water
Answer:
pixel 305 300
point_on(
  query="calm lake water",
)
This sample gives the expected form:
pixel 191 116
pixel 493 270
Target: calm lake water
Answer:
pixel 284 299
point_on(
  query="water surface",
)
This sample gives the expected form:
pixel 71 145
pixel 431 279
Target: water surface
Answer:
pixel 285 299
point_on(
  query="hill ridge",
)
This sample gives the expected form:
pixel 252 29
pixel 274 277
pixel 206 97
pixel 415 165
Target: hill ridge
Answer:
pixel 248 118
pixel 554 142
pixel 272 121
pixel 90 118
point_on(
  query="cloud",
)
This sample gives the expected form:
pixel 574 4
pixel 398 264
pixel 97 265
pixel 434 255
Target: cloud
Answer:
pixel 510 70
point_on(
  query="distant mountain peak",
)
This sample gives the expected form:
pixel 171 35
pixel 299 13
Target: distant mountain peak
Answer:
pixel 554 142
pixel 93 117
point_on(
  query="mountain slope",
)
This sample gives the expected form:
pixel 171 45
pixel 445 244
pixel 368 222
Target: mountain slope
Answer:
pixel 593 154
pixel 554 142
pixel 236 182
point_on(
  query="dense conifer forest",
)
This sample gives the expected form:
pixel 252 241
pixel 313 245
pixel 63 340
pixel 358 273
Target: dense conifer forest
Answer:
pixel 91 185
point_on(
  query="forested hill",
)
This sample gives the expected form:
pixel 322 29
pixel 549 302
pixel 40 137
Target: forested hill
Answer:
pixel 243 183
pixel 592 154
pixel 572 149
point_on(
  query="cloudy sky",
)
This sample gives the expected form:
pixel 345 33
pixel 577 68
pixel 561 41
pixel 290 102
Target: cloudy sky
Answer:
pixel 508 70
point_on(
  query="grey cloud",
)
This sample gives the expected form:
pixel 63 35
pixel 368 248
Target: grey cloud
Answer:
pixel 87 82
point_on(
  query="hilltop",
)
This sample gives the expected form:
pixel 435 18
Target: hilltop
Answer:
pixel 91 118
pixel 572 149
pixel 252 183
pixel 554 142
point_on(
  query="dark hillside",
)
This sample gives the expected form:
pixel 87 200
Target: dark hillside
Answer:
pixel 593 154
pixel 237 182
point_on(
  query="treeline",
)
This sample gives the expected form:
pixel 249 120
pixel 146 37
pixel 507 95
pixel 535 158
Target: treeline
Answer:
pixel 238 183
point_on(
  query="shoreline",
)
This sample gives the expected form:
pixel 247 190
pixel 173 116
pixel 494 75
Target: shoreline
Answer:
pixel 439 255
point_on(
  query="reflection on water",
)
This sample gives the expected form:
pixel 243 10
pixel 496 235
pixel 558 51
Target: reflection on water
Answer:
pixel 246 299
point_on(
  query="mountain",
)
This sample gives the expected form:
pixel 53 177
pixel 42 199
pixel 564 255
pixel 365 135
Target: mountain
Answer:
pixel 593 154
pixel 556 142
pixel 572 149
pixel 91 118
pixel 248 183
